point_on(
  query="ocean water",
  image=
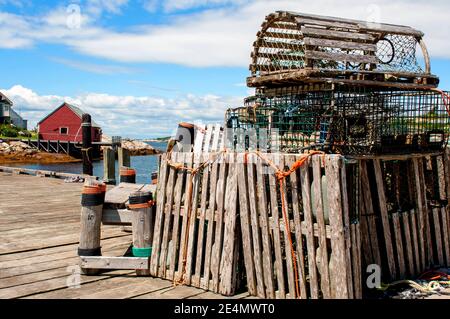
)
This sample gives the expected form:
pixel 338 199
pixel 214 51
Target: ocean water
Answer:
pixel 144 166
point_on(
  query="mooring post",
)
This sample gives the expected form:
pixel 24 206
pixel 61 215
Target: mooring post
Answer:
pixel 141 204
pixel 92 200
pixel 123 157
pixel 109 166
pixel 86 130
pixel 127 175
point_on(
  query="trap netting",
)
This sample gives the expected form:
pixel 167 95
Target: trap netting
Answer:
pixel 345 120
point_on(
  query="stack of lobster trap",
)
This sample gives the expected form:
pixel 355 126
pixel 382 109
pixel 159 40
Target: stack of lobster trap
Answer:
pixel 337 163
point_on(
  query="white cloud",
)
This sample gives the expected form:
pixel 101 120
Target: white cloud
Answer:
pixel 174 5
pixel 212 37
pixel 128 116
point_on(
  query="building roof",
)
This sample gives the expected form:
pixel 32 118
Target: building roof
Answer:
pixel 79 112
pixel 3 97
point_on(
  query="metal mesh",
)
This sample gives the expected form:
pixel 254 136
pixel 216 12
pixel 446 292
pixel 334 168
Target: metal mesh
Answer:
pixel 398 53
pixel 346 120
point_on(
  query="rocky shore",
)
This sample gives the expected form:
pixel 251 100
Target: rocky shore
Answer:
pixel 19 152
pixel 136 148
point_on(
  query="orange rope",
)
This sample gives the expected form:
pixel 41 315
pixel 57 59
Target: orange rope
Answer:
pixel 193 172
pixel 142 205
pixel 434 275
pixel 281 176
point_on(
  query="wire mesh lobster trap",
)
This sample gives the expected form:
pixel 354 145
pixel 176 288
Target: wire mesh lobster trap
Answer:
pixel 344 119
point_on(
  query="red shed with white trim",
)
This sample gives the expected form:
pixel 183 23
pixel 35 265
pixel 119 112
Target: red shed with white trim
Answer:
pixel 64 124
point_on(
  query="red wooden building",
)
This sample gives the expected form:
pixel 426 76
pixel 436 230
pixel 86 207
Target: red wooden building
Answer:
pixel 64 124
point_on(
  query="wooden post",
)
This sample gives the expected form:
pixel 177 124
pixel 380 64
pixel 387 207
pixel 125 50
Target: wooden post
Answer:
pixel 124 157
pixel 141 204
pixel 109 166
pixel 57 146
pixel 92 200
pixel 86 130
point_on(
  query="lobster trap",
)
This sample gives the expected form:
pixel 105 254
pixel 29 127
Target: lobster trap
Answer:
pixel 341 119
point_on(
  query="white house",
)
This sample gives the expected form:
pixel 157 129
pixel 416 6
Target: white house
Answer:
pixel 8 115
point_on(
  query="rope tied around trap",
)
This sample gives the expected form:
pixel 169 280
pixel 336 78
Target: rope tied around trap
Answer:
pixel 193 171
pixel 281 175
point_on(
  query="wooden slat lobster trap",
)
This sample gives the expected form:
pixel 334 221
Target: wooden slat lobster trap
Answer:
pixel 405 216
pixel 300 232
pixel 219 212
pixel 196 238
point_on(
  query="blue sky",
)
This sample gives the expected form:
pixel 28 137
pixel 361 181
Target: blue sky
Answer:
pixel 141 66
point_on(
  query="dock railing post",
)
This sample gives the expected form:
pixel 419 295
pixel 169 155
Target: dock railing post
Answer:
pixel 86 150
pixel 92 200
pixel 123 156
pixel 141 204
pixel 109 166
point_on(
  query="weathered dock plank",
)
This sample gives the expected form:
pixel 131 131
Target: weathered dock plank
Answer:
pixel 39 235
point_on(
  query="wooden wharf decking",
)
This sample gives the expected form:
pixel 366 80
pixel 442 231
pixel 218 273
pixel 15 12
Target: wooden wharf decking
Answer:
pixel 39 234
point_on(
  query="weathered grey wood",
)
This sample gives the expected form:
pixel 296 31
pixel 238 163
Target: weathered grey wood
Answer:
pixel 299 228
pixel 182 258
pixel 117 217
pixel 427 213
pixel 318 208
pixel 222 190
pixel 446 234
pixel 167 219
pixel 369 212
pixel 338 35
pixel 408 243
pixel 356 260
pixel 119 194
pixel 339 281
pixel 340 44
pixel 385 218
pixel 415 241
pixel 109 166
pixel 180 157
pixel 200 134
pixel 319 55
pixel 279 270
pixel 201 223
pixel 287 231
pixel 191 207
pixel 322 23
pixel 123 156
pixel 90 227
pixel 438 236
pixel 255 282
pixel 265 230
pixel 443 194
pixel 227 286
pixel 420 215
pixel 102 262
pixel 399 245
pixel 142 229
pixel 213 187
pixel 160 203
pixel 347 235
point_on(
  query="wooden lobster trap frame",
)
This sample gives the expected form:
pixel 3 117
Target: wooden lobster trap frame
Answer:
pixel 293 47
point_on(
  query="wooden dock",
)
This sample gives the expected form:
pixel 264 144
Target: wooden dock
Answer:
pixel 39 234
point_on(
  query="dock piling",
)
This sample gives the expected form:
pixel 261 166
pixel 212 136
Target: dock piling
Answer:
pixel 109 166
pixel 86 150
pixel 141 204
pixel 92 200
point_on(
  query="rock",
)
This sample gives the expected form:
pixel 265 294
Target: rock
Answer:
pixel 135 147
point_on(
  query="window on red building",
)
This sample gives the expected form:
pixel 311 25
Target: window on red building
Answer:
pixel 63 130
